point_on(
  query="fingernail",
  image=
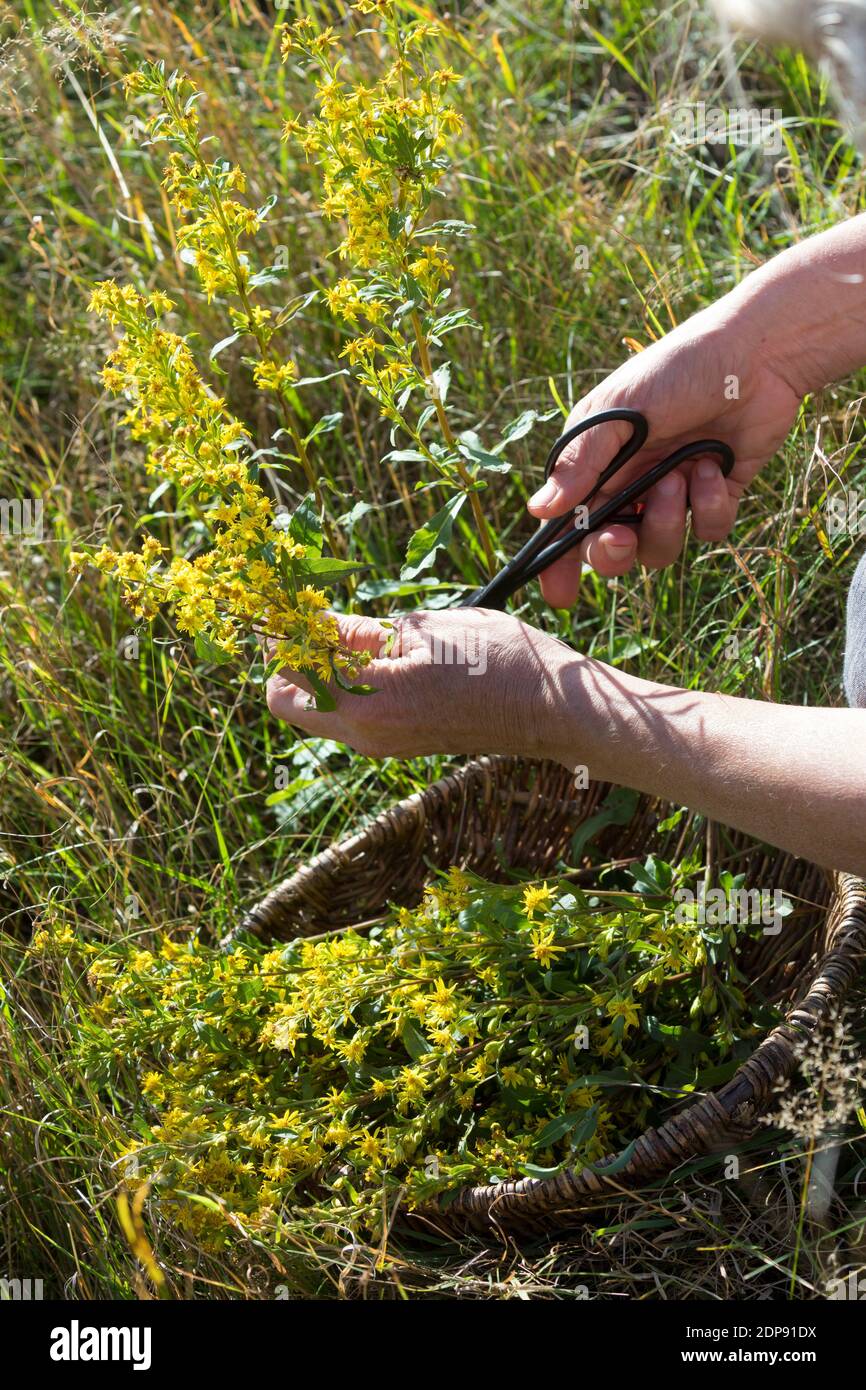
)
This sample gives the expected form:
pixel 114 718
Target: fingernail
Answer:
pixel 669 485
pixel 544 495
pixel 617 547
pixel 706 469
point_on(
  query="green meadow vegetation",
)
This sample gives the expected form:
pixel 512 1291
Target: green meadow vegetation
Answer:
pixel 140 810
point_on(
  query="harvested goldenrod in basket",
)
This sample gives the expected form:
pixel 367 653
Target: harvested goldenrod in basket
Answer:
pixel 491 1032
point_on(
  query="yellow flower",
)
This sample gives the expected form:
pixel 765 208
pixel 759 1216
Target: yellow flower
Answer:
pixel 535 899
pixel 275 376
pixel 543 948
pixel 624 1008
pixel 370 1146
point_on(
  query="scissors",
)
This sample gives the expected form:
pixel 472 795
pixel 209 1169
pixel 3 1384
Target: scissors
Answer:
pixel 558 536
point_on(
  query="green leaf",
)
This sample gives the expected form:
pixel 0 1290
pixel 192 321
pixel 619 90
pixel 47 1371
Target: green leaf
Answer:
pixel 686 1040
pixel 620 57
pixel 421 551
pixel 617 1076
pixel 405 456
pixel 268 275
pixel 618 808
pixel 358 689
pixel 414 1042
pixel 653 877
pixel 223 344
pixel 458 318
pixel 305 526
pixel 534 1170
pixel 325 701
pixel 451 226
pixel 442 380
pixel 394 588
pixel 317 380
pixel 215 1040
pixel 349 520
pixel 615 1165
pixel 626 646
pixel 325 570
pixel 660 872
pixel 580 1124
pixel 491 463
pixel 326 425
pixel 524 423
pixel 207 650
pixel 286 793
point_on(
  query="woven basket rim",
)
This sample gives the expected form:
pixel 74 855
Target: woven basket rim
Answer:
pixel 728 1113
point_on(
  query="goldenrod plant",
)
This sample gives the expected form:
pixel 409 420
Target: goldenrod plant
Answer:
pixel 261 574
pixel 382 150
pixel 493 1031
pixel 149 797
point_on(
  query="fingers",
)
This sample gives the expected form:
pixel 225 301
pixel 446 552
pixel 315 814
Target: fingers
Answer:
pixel 362 634
pixel 659 539
pixel 578 468
pixel 610 552
pixel 358 633
pixel 713 508
pixel 662 529
pixel 290 701
pixel 289 693
pixel 560 582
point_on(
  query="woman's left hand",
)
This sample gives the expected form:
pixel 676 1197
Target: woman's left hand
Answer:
pixel 465 680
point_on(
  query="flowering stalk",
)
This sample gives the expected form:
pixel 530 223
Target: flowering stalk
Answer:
pixel 262 573
pixel 258 576
pixel 381 151
pixel 213 224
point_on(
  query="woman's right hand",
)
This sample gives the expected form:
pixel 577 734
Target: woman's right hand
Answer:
pixel 710 378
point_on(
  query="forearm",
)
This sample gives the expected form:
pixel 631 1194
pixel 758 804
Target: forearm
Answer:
pixel 804 311
pixel 795 777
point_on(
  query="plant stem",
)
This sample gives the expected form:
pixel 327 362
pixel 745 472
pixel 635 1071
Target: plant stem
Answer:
pixel 448 435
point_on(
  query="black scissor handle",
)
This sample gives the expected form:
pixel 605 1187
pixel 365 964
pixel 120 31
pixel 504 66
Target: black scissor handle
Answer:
pixel 562 533
pixel 639 432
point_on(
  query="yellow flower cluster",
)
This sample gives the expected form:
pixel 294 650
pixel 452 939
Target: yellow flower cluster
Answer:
pixel 214 229
pixel 200 189
pixel 255 577
pixel 381 149
pixel 460 1041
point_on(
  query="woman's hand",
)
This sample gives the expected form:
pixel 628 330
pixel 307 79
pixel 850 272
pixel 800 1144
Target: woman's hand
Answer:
pixel 463 681
pixel 711 378
pixel 472 681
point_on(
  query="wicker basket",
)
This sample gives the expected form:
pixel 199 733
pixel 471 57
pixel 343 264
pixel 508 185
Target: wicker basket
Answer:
pixel 500 814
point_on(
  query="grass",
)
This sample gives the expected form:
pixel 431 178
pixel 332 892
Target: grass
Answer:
pixel 143 783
